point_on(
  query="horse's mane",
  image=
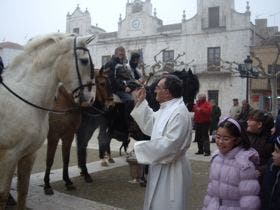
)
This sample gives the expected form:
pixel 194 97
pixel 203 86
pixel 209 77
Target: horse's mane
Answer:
pixel 190 86
pixel 43 49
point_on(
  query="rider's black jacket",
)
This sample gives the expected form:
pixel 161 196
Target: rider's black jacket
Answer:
pixel 118 73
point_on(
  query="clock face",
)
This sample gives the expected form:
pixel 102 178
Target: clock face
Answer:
pixel 135 24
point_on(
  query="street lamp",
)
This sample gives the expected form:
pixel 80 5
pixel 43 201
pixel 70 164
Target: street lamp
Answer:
pixel 248 67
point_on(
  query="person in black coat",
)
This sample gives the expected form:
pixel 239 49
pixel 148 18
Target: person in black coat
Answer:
pixel 270 192
pixel 245 110
pixel 259 128
pixel 120 76
pixel 215 117
pixel 276 129
pixel 133 64
pixel 118 73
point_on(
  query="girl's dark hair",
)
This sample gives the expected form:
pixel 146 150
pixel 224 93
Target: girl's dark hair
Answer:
pixel 234 131
pixel 264 117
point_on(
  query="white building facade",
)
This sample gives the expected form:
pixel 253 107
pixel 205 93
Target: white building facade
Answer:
pixel 216 33
pixel 8 51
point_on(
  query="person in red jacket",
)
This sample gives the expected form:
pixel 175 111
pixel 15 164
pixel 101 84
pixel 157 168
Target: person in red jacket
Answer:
pixel 202 118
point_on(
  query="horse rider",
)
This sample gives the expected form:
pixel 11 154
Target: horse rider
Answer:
pixel 134 61
pixel 121 77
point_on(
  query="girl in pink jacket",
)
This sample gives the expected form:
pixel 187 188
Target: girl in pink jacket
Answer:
pixel 233 183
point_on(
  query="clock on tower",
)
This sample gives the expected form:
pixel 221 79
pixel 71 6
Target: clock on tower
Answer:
pixel 135 24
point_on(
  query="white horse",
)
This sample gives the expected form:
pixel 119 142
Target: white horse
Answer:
pixel 34 75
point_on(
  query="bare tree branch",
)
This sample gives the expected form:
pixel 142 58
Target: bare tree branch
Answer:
pixel 260 65
pixel 155 56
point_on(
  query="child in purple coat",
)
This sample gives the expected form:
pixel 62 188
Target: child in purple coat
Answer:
pixel 233 180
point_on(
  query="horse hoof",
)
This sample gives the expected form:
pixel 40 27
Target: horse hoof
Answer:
pixel 48 191
pixel 70 186
pixel 104 163
pixel 11 201
pixel 88 179
pixel 111 160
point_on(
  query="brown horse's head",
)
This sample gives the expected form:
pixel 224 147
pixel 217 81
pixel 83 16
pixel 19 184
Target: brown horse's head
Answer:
pixel 63 99
pixel 103 89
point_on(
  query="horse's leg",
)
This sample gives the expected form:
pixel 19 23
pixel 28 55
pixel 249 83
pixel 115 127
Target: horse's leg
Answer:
pixel 124 145
pixel 51 149
pixel 66 147
pixel 103 140
pixel 7 165
pixel 120 150
pixel 11 201
pixel 87 127
pixel 107 146
pixel 24 171
pixel 108 150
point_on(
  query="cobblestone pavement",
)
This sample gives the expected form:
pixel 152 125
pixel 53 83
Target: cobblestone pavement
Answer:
pixel 37 200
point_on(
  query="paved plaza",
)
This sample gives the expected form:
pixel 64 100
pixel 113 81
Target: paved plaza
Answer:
pixel 37 200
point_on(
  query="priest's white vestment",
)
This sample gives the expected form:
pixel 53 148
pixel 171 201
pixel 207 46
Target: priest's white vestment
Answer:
pixel 169 177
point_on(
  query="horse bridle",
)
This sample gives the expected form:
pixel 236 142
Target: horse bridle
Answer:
pixel 81 87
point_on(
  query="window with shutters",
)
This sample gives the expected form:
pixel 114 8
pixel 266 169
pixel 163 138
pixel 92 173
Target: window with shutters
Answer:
pixel 213 58
pixel 76 31
pixel 213 15
pixel 168 55
pixel 105 59
pixel 213 95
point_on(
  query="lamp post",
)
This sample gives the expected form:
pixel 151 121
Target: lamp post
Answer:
pixel 248 67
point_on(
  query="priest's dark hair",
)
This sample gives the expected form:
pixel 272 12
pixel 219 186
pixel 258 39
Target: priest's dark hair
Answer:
pixel 173 84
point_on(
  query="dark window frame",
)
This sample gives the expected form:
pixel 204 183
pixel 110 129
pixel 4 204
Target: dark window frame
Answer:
pixel 105 59
pixel 76 31
pixel 167 56
pixel 213 58
pixel 213 17
pixel 213 94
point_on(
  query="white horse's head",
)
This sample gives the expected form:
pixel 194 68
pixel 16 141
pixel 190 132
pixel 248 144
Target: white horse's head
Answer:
pixel 69 59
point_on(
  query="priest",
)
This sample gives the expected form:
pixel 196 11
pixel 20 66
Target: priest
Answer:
pixel 170 128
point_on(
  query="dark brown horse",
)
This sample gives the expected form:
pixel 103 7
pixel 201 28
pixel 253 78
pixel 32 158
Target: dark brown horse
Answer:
pixel 65 126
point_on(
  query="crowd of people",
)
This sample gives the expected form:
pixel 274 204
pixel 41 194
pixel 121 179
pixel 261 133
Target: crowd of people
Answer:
pixel 248 155
pixel 245 169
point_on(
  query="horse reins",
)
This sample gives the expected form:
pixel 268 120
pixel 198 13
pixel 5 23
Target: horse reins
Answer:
pixel 81 87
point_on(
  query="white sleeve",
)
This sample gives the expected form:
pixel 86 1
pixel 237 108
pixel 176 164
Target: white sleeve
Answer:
pixel 144 117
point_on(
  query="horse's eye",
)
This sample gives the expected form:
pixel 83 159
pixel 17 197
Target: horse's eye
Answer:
pixel 84 61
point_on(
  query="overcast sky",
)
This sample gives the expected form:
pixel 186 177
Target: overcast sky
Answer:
pixel 21 20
